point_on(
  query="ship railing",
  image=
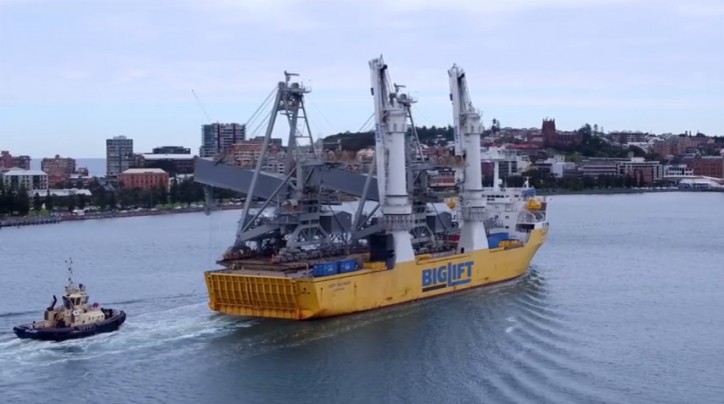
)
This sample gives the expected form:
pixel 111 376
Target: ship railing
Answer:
pixel 528 216
pixel 494 223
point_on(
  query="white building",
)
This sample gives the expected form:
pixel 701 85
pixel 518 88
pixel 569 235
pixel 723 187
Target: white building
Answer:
pixel 32 180
pixel 700 183
pixel 559 168
pixel 678 170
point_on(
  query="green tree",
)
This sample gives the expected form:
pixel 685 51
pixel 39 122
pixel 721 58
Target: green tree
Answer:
pixel 22 201
pixel 49 201
pixel 174 195
pixel 147 198
pixel 71 202
pixel 81 201
pixel 186 193
pixel 589 182
pixel 112 200
pixel 495 126
pixel 37 202
pixel 100 197
pixel 162 195
pixel 3 201
pixel 9 201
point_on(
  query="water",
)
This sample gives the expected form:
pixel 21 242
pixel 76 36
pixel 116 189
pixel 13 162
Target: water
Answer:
pixel 623 304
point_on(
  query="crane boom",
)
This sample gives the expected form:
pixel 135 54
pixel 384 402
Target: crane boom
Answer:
pixel 468 128
pixel 201 105
pixel 390 155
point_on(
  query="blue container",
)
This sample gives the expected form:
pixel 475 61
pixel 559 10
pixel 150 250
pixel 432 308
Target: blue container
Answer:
pixel 347 265
pixel 494 239
pixel 324 269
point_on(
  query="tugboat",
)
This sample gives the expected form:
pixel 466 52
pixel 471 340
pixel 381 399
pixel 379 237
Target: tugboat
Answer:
pixel 74 319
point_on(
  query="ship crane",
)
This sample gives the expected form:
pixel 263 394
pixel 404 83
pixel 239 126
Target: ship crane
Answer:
pixel 467 126
pixel 390 152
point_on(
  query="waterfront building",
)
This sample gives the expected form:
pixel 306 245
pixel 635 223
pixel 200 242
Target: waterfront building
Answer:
pixel 7 160
pixel 218 137
pixel 678 170
pixel 119 156
pixel 58 169
pixel 32 180
pixel 708 166
pixel 596 166
pixel 144 178
pixel 644 172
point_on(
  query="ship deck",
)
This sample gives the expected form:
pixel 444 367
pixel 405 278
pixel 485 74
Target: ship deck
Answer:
pixel 265 267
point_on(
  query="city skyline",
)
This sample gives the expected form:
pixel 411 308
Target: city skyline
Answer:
pixel 99 70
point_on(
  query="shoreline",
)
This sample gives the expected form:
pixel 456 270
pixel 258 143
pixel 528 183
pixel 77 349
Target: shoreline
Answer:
pixel 69 217
pixel 617 191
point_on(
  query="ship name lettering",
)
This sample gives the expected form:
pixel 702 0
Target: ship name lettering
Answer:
pixel 451 274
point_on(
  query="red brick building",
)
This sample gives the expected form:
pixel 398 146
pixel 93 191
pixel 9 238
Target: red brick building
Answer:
pixel 554 138
pixel 8 161
pixel 708 166
pixel 58 169
pixel 144 178
pixel 678 145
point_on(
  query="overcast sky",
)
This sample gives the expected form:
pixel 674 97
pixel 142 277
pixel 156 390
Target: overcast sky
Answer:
pixel 73 73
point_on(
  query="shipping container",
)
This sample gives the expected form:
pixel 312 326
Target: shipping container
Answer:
pixel 325 269
pixel 347 265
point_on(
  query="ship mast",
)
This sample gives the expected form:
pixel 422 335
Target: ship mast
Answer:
pixel 466 120
pixel 390 153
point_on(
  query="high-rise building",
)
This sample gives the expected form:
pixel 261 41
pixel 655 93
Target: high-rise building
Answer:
pixel 218 137
pixel 119 156
pixel 171 150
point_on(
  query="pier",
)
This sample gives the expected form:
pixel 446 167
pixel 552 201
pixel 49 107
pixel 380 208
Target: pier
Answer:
pixel 29 221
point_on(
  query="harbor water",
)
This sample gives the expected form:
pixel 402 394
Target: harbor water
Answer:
pixel 623 304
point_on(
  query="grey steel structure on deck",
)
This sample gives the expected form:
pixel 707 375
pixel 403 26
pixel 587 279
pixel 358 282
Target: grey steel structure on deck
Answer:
pixel 303 224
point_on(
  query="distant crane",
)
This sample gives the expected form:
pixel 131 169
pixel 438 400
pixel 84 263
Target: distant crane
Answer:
pixel 201 105
pixel 208 193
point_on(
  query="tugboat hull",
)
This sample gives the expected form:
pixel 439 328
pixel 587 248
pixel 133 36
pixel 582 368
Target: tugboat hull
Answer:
pixel 79 331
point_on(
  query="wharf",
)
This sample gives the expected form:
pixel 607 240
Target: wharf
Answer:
pixel 29 221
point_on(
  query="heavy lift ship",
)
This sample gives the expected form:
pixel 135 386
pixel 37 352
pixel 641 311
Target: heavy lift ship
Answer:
pixel 304 260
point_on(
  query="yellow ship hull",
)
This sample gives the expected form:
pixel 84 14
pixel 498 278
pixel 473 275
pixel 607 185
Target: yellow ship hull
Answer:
pixel 237 293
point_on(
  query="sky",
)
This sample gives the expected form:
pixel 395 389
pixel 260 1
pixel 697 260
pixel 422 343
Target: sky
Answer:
pixel 74 73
